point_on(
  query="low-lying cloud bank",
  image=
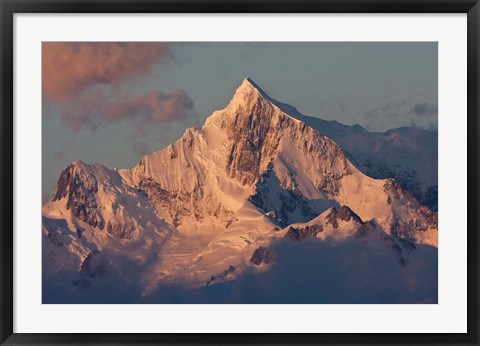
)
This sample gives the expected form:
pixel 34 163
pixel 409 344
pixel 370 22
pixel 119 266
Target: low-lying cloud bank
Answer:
pixel 308 272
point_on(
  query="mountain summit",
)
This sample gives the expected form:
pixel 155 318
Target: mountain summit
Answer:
pixel 199 209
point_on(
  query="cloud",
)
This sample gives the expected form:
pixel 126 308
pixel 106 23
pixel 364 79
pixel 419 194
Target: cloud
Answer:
pixel 423 109
pixel 86 82
pixel 82 110
pixel 69 68
pixel 308 272
pixel 383 117
pixel 156 106
pixel 91 109
pixel 323 272
pixel 421 115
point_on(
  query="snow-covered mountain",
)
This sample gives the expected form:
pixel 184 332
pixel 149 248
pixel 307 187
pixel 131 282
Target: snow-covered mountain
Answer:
pixel 407 154
pixel 206 208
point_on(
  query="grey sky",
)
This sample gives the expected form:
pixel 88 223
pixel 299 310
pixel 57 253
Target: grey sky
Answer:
pixel 377 85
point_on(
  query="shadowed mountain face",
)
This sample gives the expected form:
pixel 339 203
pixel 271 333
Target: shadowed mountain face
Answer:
pixel 256 175
pixel 407 154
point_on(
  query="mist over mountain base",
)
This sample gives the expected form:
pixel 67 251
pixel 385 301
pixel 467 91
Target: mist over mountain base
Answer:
pixel 308 272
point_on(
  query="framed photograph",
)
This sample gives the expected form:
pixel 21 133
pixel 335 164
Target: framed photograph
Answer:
pixel 239 172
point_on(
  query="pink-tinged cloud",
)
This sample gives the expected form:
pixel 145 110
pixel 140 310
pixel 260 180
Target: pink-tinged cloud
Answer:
pixel 69 68
pixel 82 110
pixel 89 109
pixel 155 106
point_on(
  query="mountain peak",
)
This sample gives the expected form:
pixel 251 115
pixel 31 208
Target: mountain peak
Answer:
pixel 249 90
pixel 248 100
pixel 249 82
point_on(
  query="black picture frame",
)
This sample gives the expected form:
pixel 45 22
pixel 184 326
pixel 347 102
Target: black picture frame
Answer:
pixel 9 7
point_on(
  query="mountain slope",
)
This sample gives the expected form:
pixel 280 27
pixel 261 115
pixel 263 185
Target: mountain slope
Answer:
pixel 407 154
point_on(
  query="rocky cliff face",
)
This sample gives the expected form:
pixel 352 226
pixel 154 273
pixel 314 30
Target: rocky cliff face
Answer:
pixel 79 188
pixel 261 255
pixel 301 233
pixel 259 131
pixel 283 204
pixel 414 217
pixel 408 155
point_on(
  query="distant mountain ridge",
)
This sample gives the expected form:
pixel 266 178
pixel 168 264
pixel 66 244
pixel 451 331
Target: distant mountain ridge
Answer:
pixel 407 154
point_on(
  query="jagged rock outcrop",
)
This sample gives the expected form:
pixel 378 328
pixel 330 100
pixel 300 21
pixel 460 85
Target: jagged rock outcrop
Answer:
pixel 301 233
pixel 417 218
pixel 371 231
pixel 118 230
pixel 95 265
pixel 284 205
pixel 344 214
pixel 261 255
pixel 79 187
